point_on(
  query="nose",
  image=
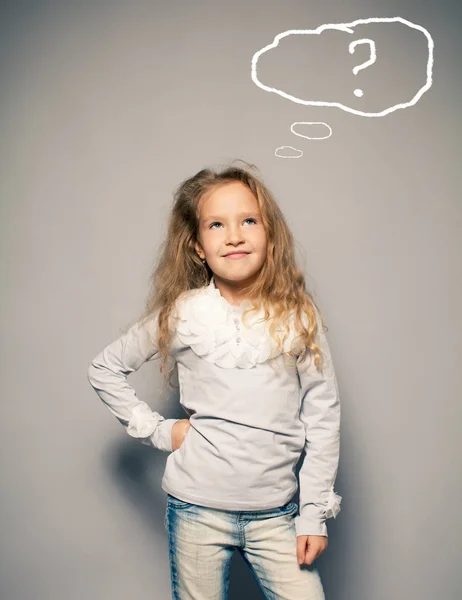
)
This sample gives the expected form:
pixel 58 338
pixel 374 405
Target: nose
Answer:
pixel 234 236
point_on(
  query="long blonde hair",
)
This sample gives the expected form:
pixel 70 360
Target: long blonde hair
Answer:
pixel 279 284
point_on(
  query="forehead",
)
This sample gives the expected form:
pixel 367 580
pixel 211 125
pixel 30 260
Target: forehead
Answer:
pixel 228 199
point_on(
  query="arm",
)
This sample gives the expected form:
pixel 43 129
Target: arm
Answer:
pixel 107 374
pixel 320 415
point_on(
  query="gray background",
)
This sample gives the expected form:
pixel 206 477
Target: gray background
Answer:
pixel 104 108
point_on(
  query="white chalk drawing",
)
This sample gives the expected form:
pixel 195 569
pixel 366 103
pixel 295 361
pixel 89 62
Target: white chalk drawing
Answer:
pixel 348 28
pixel 311 123
pixel 299 153
pixel 368 63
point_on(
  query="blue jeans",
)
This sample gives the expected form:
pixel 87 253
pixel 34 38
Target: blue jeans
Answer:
pixel 202 541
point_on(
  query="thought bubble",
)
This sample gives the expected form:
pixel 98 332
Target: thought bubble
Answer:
pixel 351 48
pixel 309 137
pixel 288 152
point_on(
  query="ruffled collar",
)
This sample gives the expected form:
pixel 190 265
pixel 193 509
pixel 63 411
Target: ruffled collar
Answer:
pixel 214 329
pixel 213 291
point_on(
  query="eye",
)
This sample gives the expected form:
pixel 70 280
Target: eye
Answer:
pixel 211 226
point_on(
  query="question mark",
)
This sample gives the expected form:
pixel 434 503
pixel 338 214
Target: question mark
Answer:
pixel 369 62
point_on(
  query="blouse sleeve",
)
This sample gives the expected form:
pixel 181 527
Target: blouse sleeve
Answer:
pixel 107 374
pixel 320 415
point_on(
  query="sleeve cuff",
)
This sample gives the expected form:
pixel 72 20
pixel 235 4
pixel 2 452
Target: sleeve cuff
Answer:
pixel 307 527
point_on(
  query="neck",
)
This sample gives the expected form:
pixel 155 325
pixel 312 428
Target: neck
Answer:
pixel 233 292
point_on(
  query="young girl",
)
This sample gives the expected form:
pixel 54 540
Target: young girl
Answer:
pixel 229 310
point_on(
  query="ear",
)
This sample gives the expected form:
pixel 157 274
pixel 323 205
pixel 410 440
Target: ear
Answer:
pixel 199 250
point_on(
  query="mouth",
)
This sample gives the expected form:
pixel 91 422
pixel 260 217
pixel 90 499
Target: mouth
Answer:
pixel 240 253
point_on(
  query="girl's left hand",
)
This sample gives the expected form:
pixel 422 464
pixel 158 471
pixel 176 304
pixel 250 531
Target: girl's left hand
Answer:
pixel 309 547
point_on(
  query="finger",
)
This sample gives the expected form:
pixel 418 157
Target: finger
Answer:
pixel 310 557
pixel 301 548
pixel 312 553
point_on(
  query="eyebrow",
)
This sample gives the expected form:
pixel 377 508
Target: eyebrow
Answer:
pixel 219 218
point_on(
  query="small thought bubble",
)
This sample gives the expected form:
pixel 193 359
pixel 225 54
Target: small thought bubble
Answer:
pixel 309 137
pixel 285 151
pixel 288 152
pixel 370 63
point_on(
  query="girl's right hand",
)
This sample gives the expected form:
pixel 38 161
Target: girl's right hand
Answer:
pixel 179 431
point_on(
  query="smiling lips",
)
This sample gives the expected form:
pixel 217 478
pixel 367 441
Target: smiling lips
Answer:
pixel 236 255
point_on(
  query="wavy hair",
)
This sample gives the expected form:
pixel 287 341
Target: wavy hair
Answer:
pixel 280 284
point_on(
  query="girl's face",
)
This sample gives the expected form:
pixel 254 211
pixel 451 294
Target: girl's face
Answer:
pixel 230 221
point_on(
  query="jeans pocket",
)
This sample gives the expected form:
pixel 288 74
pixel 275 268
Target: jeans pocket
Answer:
pixel 289 510
pixel 177 503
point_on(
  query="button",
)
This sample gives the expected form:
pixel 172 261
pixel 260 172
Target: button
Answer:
pixel 238 340
pixel 238 326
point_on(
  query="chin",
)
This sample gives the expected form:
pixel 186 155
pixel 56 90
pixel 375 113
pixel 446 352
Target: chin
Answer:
pixel 235 275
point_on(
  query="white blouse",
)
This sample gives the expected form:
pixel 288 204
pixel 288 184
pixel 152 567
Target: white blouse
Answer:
pixel 251 413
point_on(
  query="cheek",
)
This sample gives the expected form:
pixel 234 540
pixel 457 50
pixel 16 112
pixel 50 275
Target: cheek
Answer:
pixel 260 240
pixel 211 243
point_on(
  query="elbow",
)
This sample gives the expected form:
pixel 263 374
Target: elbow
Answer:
pixel 92 373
